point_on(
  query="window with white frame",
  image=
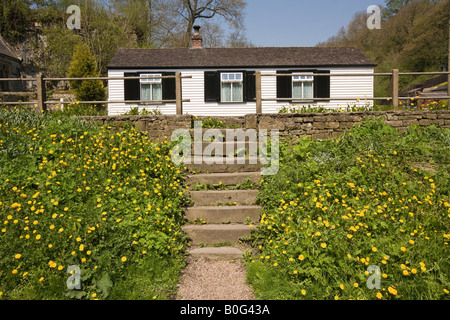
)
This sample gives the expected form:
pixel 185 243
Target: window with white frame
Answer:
pixel 231 87
pixel 302 86
pixel 151 88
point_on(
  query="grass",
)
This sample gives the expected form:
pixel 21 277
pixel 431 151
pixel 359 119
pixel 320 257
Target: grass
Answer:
pixel 338 206
pixel 75 193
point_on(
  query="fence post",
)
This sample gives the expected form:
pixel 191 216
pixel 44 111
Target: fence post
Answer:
pixel 258 91
pixel 448 66
pixel 394 87
pixel 178 93
pixel 41 94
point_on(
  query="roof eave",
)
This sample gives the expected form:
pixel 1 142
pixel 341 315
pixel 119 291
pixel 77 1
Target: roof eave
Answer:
pixel 244 67
pixel 11 57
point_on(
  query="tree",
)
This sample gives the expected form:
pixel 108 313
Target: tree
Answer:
pixel 192 10
pixel 83 65
pixel 415 38
pixel 104 32
pixel 237 39
pixel 15 19
pixel 394 6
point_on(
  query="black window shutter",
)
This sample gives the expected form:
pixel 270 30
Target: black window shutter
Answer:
pixel 249 86
pixel 132 87
pixel 284 85
pixel 322 85
pixel 168 86
pixel 212 86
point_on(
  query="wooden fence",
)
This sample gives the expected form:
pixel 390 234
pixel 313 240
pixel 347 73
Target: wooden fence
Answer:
pixel 394 75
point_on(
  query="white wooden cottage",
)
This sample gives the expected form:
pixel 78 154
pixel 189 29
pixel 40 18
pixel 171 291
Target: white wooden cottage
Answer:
pixel 221 81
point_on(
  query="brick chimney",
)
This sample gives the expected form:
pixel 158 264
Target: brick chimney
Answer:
pixel 197 38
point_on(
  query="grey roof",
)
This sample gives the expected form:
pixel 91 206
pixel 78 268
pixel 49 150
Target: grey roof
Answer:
pixel 6 50
pixel 256 57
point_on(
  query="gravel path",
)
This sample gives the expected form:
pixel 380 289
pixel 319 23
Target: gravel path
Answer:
pixel 205 279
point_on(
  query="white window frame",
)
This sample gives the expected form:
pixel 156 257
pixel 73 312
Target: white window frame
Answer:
pixel 303 78
pixel 237 77
pixel 151 82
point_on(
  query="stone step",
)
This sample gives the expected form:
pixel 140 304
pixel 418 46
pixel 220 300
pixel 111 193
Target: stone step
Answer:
pixel 225 149
pixel 211 234
pixel 225 214
pixel 207 165
pixel 213 197
pixel 217 253
pixel 228 179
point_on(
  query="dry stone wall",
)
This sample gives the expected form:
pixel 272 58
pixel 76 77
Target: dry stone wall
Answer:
pixel 314 125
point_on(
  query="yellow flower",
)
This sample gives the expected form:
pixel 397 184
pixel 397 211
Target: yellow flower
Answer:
pixel 275 264
pixel 303 292
pixel 60 268
pixel 14 271
pixel 379 295
pixel 356 285
pixel 403 249
pixel 38 237
pixel 392 291
pixel 301 257
pixel 374 249
pixel 341 286
pixel 405 272
pixel 124 259
pixel 94 295
pixel 349 236
pixel 17 256
pixel 323 245
pixel 81 247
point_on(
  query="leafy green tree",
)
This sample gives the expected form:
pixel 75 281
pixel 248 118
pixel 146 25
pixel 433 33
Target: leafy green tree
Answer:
pixel 84 65
pixel 414 37
pixel 393 6
pixel 15 19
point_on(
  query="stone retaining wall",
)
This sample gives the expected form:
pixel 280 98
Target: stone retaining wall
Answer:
pixel 314 125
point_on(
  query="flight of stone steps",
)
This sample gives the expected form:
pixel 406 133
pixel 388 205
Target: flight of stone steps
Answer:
pixel 230 214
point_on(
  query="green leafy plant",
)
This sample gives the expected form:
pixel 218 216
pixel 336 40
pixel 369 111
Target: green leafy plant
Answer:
pixel 83 65
pixel 340 205
pixel 75 193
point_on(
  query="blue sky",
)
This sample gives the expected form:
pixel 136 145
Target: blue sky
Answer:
pixel 284 23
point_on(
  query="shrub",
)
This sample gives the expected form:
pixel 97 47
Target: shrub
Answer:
pixel 83 65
